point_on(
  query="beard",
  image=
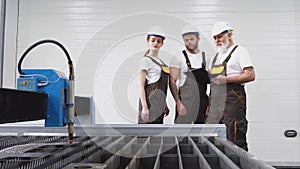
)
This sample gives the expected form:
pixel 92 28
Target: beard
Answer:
pixel 223 47
pixel 191 48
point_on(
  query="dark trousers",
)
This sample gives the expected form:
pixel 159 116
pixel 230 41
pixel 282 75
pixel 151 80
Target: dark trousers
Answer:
pixel 236 131
pixel 234 116
pixel 228 106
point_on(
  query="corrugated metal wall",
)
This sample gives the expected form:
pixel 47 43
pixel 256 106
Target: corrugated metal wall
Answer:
pixel 106 40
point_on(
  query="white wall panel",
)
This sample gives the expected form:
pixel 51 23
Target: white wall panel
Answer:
pixel 106 39
pixel 10 44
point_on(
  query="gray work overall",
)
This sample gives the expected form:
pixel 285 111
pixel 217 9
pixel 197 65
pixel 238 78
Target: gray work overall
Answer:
pixel 228 106
pixel 156 94
pixel 193 94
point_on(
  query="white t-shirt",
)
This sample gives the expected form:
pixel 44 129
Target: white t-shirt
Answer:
pixel 239 60
pixel 153 70
pixel 178 61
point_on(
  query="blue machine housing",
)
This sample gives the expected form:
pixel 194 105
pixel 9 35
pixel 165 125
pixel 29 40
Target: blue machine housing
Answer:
pixel 53 83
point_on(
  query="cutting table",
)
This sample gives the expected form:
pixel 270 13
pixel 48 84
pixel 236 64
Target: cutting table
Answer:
pixel 116 146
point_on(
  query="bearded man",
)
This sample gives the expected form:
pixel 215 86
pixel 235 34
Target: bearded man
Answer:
pixel 230 69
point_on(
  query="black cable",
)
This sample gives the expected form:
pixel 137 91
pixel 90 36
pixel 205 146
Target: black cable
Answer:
pixel 71 68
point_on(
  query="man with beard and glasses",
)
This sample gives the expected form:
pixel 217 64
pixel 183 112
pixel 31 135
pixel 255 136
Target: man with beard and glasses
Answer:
pixel 189 79
pixel 230 69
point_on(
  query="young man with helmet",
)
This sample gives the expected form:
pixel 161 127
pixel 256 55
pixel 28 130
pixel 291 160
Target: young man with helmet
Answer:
pixel 189 79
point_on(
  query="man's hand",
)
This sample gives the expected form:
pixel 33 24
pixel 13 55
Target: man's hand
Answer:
pixel 145 115
pixel 181 108
pixel 207 110
pixel 220 79
pixel 167 111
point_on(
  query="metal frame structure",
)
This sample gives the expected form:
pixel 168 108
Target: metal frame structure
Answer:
pixel 2 27
pixel 121 130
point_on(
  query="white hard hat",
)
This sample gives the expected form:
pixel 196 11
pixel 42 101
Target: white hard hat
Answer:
pixel 156 31
pixel 189 29
pixel 220 27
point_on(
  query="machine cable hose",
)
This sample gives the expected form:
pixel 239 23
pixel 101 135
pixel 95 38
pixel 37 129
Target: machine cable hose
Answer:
pixel 70 63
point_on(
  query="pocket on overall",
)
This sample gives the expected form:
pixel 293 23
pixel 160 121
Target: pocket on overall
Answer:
pixel 217 70
pixel 165 69
pixel 239 96
pixel 231 128
pixel 157 102
pixel 242 127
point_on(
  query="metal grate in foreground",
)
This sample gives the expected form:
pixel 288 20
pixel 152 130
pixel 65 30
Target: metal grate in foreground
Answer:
pixel 124 152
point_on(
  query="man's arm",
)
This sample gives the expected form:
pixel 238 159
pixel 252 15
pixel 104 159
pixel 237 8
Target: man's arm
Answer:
pixel 248 75
pixel 174 75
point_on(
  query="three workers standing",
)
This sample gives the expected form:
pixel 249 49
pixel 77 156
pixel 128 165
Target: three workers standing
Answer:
pixel 189 75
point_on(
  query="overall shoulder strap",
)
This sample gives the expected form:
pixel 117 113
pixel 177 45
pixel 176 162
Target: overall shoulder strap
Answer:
pixel 187 60
pixel 214 61
pixel 227 59
pixel 203 60
pixel 155 61
pixel 163 63
pixel 229 56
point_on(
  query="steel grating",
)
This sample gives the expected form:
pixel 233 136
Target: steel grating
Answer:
pixel 123 147
pixel 124 152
